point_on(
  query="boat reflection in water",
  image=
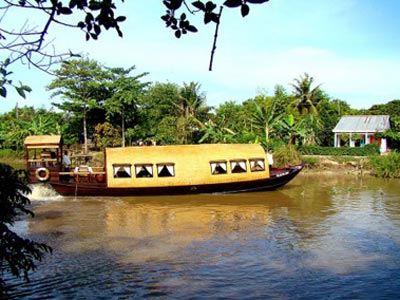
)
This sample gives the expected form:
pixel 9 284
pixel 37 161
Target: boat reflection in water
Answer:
pixel 161 230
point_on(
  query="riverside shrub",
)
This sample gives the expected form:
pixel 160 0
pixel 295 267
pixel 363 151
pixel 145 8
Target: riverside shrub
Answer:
pixel 386 166
pixel 367 150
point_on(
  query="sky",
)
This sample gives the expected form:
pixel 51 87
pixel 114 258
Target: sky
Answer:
pixel 350 47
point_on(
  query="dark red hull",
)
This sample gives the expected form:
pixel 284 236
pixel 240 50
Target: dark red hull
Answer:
pixel 278 179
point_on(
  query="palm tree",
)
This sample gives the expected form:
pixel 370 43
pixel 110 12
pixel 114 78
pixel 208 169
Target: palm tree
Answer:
pixel 191 105
pixel 306 97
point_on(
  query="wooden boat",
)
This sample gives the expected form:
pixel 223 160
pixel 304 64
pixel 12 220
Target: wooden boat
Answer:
pixel 157 170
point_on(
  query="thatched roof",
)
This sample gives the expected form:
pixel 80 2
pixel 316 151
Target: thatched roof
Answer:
pixel 43 141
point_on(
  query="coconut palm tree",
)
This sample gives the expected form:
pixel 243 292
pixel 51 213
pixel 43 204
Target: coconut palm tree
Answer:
pixel 306 97
pixel 191 105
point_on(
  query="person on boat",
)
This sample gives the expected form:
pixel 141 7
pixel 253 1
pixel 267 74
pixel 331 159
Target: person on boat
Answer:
pixel 66 161
pixel 270 159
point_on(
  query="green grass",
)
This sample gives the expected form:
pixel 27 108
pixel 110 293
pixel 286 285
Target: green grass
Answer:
pixel 386 166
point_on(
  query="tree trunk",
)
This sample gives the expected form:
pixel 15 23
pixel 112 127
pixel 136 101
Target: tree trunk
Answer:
pixel 85 143
pixel 123 128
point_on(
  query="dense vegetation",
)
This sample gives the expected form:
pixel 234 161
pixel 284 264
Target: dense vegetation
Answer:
pixel 99 106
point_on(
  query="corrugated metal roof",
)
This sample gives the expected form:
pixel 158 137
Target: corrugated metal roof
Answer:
pixel 363 124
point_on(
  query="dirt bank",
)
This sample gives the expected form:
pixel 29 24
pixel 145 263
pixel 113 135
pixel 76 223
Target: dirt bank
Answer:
pixel 356 165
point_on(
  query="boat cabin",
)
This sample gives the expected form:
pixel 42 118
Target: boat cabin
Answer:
pixel 43 156
pixel 158 166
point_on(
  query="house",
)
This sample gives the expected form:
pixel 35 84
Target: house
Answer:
pixel 360 130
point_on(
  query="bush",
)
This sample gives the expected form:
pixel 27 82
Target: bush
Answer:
pixel 387 166
pixel 286 156
pixel 8 154
pixel 367 150
pixel 311 161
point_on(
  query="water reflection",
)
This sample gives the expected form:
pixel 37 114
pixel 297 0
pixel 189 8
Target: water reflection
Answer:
pixel 320 237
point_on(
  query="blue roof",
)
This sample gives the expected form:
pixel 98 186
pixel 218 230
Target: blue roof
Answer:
pixel 363 124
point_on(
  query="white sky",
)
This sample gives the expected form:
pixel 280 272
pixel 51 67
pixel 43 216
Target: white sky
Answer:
pixel 351 47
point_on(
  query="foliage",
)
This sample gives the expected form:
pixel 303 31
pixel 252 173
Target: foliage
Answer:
pixel 387 166
pixel 310 161
pixel 216 133
pixel 306 97
pixel 29 44
pixel 391 108
pixel 157 115
pixel 182 25
pixel 105 135
pixel 5 81
pixel 7 153
pixel 265 119
pixel 17 254
pixel 367 150
pixel 286 156
pixel 171 114
pixel 24 121
pixel 124 94
pixel 329 112
pixel 81 83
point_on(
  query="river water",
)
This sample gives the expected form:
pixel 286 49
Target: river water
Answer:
pixel 320 237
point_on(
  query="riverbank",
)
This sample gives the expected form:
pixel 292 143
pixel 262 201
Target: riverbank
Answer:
pixel 354 165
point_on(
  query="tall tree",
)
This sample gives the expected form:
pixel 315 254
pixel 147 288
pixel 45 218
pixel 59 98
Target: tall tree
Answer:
pixel 191 106
pixel 306 97
pixel 81 84
pixel 157 114
pixel 125 92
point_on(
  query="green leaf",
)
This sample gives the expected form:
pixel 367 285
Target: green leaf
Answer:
pixel 20 91
pixel 26 88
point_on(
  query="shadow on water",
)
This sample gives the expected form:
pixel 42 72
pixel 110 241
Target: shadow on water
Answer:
pixel 320 237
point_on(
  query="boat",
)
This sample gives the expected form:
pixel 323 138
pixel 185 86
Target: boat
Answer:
pixel 155 170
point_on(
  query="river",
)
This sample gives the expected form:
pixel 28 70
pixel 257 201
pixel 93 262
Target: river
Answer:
pixel 320 237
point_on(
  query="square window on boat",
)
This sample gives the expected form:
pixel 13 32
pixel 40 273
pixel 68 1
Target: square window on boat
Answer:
pixel 122 171
pixel 144 170
pixel 238 166
pixel 257 164
pixel 218 167
pixel 166 170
